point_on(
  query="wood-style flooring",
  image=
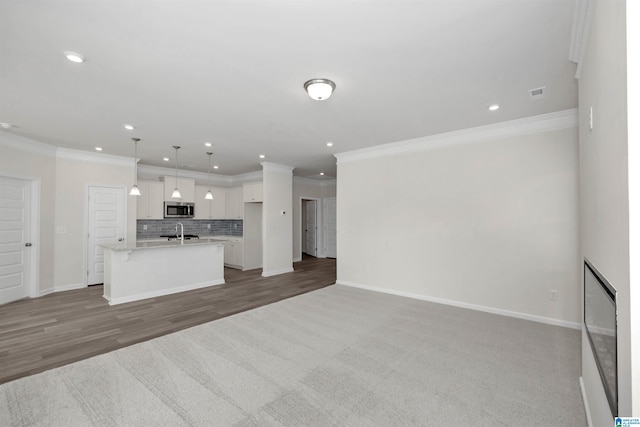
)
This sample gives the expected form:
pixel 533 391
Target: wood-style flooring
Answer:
pixel 43 333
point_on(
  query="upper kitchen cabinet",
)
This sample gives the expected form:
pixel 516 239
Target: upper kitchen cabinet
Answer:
pixel 252 192
pixel 186 186
pixel 151 199
pixel 235 203
pixel 210 209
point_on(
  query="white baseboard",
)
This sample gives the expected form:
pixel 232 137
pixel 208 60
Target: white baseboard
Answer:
pixel 44 292
pixel 492 310
pixel 276 272
pixel 297 259
pixel 153 294
pixel 70 287
pixel 585 401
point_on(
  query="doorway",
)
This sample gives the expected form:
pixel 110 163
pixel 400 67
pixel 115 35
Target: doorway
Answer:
pixel 309 227
pixel 106 225
pixel 18 225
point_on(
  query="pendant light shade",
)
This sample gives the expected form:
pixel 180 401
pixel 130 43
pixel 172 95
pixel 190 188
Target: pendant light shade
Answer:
pixel 176 193
pixel 209 195
pixel 135 191
pixel 319 89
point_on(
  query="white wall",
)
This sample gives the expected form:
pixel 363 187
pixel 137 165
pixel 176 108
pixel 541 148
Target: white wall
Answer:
pixel 76 171
pixel 28 159
pixel 491 224
pixel 307 188
pixel 605 191
pixel 277 254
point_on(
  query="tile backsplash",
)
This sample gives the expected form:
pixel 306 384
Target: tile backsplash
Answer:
pixel 219 227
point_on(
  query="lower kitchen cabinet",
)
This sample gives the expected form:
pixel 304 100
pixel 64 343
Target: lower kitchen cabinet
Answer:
pixel 233 252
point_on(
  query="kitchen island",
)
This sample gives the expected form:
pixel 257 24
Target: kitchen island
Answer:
pixel 152 269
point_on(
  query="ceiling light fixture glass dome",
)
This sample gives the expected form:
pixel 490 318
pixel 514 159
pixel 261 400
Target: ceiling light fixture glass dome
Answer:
pixel 319 89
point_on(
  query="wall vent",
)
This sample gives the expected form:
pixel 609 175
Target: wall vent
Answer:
pixel 538 94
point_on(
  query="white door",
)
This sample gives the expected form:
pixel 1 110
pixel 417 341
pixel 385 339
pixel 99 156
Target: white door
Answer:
pixel 311 228
pixel 330 227
pixel 15 243
pixel 106 225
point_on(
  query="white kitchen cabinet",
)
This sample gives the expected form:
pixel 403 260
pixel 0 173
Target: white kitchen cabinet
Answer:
pixel 210 209
pixel 235 203
pixel 150 203
pixel 186 186
pixel 233 252
pixel 252 192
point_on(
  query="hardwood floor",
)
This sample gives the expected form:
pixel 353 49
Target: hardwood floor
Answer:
pixel 54 330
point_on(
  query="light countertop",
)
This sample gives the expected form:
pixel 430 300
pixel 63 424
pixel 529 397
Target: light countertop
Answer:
pixel 162 244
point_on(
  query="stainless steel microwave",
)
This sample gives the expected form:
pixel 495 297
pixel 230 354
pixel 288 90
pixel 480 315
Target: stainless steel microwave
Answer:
pixel 178 210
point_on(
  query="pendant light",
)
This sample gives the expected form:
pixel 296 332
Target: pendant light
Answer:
pixel 209 195
pixel 135 191
pixel 176 193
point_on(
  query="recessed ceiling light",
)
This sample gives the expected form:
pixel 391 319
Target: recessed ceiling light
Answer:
pixel 321 173
pixel 207 144
pixel 166 159
pixel 329 144
pixel 215 166
pixel 129 127
pixel 494 107
pixel 74 57
pixel 262 156
pixel 6 125
pixel 98 148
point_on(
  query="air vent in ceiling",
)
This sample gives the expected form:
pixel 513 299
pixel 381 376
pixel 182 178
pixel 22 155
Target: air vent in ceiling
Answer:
pixel 538 94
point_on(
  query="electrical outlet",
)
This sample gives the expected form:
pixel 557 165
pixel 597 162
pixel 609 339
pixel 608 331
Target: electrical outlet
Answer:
pixel 144 227
pixel 209 226
pixel 553 295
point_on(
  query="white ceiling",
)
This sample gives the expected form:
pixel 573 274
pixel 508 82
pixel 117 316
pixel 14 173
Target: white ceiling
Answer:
pixel 231 72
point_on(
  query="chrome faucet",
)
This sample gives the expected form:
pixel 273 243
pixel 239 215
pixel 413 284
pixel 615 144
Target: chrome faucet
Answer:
pixel 181 232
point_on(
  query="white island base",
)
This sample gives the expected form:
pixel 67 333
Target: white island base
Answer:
pixel 150 270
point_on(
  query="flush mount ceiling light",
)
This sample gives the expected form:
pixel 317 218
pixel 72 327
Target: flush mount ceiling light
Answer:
pixel 262 156
pixel 494 107
pixel 6 125
pixel 129 127
pixel 209 195
pixel 98 148
pixel 135 191
pixel 319 89
pixel 329 144
pixel 166 159
pixel 176 193
pixel 207 144
pixel 74 57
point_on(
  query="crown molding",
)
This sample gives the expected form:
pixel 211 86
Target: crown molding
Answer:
pixel 529 125
pixel 246 178
pixel 86 156
pixel 147 172
pixel 274 167
pixel 319 182
pixel 28 145
pixel 582 12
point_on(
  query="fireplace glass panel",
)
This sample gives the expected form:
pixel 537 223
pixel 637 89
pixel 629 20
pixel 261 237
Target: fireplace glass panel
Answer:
pixel 601 323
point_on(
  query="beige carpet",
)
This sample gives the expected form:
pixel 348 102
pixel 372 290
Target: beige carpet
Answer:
pixel 337 356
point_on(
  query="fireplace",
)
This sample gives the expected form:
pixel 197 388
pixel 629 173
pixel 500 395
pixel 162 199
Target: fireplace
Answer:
pixel 600 320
